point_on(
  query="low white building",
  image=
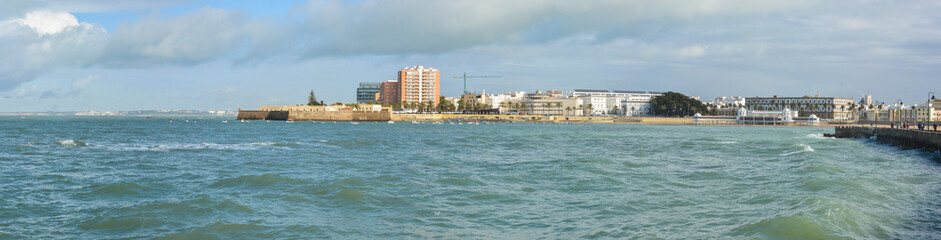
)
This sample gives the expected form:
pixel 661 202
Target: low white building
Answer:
pixel 785 116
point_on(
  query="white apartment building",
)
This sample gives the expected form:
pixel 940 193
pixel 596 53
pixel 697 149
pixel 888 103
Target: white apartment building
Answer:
pixel 729 101
pixel 621 101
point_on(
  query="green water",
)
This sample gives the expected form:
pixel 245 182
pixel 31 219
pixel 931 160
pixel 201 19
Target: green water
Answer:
pixel 111 178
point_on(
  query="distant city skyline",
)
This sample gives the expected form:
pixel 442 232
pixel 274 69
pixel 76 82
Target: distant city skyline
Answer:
pixel 107 55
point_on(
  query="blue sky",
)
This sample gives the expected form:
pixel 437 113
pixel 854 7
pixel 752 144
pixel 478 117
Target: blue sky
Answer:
pixel 135 55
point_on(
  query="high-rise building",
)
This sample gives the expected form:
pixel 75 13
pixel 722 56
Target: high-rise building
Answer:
pixel 389 92
pixel 367 92
pixel 419 84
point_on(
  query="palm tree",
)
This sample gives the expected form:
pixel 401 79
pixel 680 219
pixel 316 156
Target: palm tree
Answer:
pixel 559 106
pixel 547 106
pixel 567 109
pixel 632 111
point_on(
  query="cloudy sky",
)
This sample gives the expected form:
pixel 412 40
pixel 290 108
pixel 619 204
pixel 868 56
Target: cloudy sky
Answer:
pixel 190 54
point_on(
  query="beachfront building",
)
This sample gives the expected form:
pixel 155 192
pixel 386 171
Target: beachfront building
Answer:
pixel 822 107
pixel 634 108
pixel 473 101
pixel 616 102
pixel 728 101
pixel 419 84
pixel 368 92
pixel 389 92
pixel 784 116
pixel 930 112
pixel 866 100
pixel 552 102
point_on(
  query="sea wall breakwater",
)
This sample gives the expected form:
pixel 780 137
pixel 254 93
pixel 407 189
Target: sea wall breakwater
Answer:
pixel 136 178
pixel 906 138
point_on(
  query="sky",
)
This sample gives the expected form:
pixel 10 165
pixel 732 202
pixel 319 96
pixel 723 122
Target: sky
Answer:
pixel 108 55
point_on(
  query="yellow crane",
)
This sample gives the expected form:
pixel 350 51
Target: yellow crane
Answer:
pixel 465 77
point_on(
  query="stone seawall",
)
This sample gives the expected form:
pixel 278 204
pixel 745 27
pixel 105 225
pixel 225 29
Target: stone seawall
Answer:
pixel 262 115
pixel 905 138
pixel 314 116
pixel 340 116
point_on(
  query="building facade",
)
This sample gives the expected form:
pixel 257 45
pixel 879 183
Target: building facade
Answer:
pixel 728 101
pixel 368 92
pixel 616 102
pixel 419 84
pixel 389 92
pixel 823 107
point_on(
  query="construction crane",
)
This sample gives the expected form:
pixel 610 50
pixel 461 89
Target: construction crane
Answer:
pixel 465 77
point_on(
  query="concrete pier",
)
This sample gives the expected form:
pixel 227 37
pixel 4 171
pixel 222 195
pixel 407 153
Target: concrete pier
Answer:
pixel 905 138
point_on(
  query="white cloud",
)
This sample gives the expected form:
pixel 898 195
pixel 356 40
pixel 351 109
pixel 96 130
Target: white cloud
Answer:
pixel 43 40
pixel 408 27
pixel 46 22
pixel 795 43
pixel 19 7
pixel 194 37
pixel 81 83
pixel 693 51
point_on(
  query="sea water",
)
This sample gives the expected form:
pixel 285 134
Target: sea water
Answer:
pixel 129 177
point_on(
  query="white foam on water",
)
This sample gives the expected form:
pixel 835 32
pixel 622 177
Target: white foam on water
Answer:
pixel 728 142
pixel 72 143
pixel 817 136
pixel 804 148
pixel 190 146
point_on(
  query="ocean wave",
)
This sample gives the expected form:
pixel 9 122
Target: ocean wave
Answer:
pixel 72 143
pixel 785 227
pixel 119 189
pixel 817 136
pixel 196 146
pixel 803 148
pixel 265 180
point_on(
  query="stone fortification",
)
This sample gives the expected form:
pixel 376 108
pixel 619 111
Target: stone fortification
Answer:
pixel 363 112
pixel 906 138
pixel 262 115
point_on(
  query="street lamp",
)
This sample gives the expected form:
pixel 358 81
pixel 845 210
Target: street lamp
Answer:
pixel 899 113
pixel 928 111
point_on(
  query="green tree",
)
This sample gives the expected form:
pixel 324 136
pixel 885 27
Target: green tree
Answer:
pixel 672 104
pixel 312 100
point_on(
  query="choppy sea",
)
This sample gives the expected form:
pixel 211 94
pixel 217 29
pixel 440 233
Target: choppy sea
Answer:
pixel 130 177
